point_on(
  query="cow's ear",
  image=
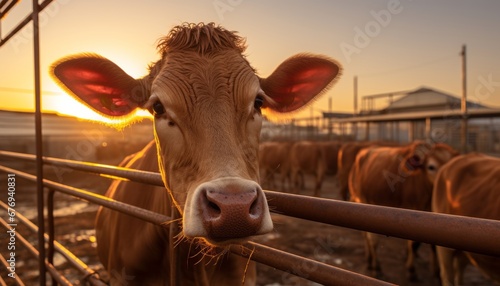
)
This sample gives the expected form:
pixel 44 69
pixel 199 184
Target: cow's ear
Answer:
pixel 415 159
pixel 100 84
pixel 298 80
pixel 413 162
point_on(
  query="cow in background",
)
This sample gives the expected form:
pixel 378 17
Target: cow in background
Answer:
pixel 331 152
pixel 396 177
pixel 274 158
pixel 345 160
pixel 468 185
pixel 207 104
pixel 307 157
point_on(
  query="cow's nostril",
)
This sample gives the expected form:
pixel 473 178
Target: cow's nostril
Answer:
pixel 255 209
pixel 211 205
pixel 214 207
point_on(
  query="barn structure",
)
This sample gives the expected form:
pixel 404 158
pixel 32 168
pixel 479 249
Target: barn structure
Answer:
pixel 419 100
pixel 424 113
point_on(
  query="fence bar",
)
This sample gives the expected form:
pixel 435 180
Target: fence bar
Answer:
pixel 140 213
pixel 174 230
pixel 483 235
pixel 23 23
pixel 402 223
pixel 134 175
pixel 134 211
pixel 6 8
pixel 2 282
pixel 50 228
pixel 68 255
pixel 303 267
pixel 34 252
pixel 16 278
pixel 38 138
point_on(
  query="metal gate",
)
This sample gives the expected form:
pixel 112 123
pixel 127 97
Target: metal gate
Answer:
pixel 406 224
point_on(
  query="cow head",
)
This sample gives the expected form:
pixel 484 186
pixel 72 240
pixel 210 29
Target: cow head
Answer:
pixel 207 104
pixel 439 155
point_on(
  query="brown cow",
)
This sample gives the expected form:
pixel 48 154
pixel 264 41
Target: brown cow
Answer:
pixel 274 158
pixel 396 177
pixel 469 185
pixel 307 157
pixel 331 152
pixel 206 100
pixel 346 157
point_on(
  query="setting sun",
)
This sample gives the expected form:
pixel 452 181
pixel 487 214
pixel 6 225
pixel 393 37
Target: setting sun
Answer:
pixel 68 106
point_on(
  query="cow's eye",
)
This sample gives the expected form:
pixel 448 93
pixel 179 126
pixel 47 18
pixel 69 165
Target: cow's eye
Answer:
pixel 158 109
pixel 259 102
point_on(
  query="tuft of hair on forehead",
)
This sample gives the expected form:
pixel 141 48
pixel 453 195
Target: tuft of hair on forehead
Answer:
pixel 201 38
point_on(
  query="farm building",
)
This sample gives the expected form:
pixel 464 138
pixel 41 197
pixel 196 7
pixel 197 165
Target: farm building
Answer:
pixel 423 113
pixel 440 120
pixel 420 100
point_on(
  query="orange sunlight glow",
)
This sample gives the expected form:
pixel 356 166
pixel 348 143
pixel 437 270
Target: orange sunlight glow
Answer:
pixel 68 106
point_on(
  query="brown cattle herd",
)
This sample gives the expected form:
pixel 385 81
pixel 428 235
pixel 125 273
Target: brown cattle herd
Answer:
pixel 417 175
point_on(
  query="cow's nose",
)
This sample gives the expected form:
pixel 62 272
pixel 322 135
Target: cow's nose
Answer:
pixel 232 211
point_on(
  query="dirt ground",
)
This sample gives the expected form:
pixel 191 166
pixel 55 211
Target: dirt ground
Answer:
pixel 336 246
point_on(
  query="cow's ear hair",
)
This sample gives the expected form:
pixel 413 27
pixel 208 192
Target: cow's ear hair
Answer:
pixel 100 84
pixel 298 80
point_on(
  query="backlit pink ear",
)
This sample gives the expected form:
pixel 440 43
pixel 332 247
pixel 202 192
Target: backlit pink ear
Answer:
pixel 100 84
pixel 298 80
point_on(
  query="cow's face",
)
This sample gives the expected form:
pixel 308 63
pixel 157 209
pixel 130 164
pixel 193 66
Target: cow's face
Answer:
pixel 207 118
pixel 439 155
pixel 207 102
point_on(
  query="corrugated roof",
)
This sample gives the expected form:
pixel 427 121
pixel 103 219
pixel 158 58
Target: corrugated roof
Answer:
pixel 424 98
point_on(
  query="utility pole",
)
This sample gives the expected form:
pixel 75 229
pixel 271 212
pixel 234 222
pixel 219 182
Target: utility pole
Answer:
pixel 355 95
pixel 355 113
pixel 330 135
pixel 463 133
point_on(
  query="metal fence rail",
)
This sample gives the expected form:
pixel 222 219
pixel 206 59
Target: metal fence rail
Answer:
pixel 407 224
pixel 75 262
pixel 323 273
pixel 401 223
pixel 34 252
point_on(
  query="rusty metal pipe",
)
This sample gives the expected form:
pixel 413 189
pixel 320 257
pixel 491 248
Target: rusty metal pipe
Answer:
pixel 402 223
pixel 133 175
pixel 34 252
pixel 319 275
pixel 23 23
pixel 70 257
pixel 483 235
pixel 303 267
pixel 16 277
pixel 134 211
pixel 2 282
pixel 50 229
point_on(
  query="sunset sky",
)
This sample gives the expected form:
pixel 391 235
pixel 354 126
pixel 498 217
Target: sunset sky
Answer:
pixel 390 45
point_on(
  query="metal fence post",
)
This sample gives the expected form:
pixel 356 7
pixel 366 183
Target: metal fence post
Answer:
pixel 39 146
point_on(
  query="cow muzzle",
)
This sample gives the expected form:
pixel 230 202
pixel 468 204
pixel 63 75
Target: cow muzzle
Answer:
pixel 227 209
